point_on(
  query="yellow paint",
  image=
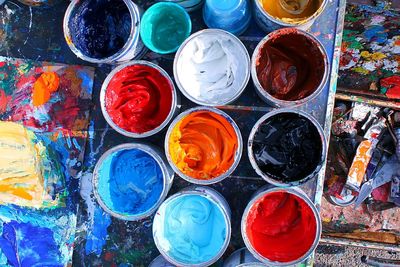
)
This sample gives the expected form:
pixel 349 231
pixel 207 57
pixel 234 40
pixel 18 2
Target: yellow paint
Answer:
pixel 21 180
pixel 361 70
pixel 276 9
pixel 372 56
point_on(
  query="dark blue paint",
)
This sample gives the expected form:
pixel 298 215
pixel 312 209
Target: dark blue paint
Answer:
pixel 27 245
pixel 100 28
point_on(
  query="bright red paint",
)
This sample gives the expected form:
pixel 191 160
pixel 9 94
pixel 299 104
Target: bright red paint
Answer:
pixel 392 83
pixel 281 226
pixel 138 98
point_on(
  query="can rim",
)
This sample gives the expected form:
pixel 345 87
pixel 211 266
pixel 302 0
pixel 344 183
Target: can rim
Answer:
pixel 279 102
pixel 294 191
pixel 219 201
pixel 247 67
pixel 254 162
pixel 314 16
pixel 167 180
pixel 133 38
pixel 122 131
pixel 238 152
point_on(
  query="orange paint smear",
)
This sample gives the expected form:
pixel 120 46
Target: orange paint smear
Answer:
pixel 203 145
pixel 275 9
pixel 46 84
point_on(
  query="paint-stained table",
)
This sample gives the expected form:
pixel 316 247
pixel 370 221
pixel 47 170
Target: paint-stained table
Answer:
pixel 36 33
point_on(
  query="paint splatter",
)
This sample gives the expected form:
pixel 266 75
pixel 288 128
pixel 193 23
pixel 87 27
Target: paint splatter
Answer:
pixel 392 85
pixel 46 84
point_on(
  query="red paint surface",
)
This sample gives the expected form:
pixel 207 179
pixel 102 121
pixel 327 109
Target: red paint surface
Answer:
pixel 392 83
pixel 138 98
pixel 281 227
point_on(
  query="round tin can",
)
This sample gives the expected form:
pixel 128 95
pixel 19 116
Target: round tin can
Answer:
pixel 157 155
pixel 174 105
pixel 242 257
pixel 262 92
pixel 269 23
pixel 238 153
pixel 278 113
pixel 133 48
pixel 211 195
pixel 245 61
pixel 298 193
pixel 189 5
pixel 233 16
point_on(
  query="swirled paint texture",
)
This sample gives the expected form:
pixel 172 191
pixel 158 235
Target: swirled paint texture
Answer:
pixel 213 68
pixel 100 28
pixel 281 226
pixel 291 11
pixel 190 229
pixel 29 170
pixel 290 66
pixel 203 145
pixel 138 98
pixel 130 182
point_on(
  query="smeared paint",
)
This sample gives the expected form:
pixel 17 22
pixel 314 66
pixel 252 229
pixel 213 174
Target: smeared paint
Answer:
pixel 203 145
pixel 190 229
pixel 392 85
pixel 46 84
pixel 281 226
pixel 29 171
pixel 26 245
pixel 130 182
pixel 291 11
pixel 97 238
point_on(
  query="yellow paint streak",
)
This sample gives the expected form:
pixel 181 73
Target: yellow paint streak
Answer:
pixel 361 70
pixel 372 56
pixel 21 181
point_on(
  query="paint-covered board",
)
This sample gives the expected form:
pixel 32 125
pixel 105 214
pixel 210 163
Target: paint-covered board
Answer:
pixel 370 61
pixel 44 113
pixel 101 240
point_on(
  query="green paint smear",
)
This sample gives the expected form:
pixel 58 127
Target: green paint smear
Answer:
pixel 349 36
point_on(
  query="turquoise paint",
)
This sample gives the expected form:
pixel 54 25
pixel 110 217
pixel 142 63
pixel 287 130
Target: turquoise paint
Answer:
pixel 130 182
pixel 164 27
pixel 194 229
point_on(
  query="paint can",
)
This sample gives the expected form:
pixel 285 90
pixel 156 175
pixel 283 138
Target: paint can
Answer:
pixel 306 218
pixel 347 198
pixel 131 48
pixel 152 125
pixel 160 261
pixel 206 79
pixel 242 257
pixel 205 119
pixel 269 23
pixel 153 159
pixel 303 53
pixel 165 26
pixel 233 16
pixel 189 5
pixel 287 147
pixel 212 233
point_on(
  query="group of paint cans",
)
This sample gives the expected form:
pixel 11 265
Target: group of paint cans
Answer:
pixel 211 68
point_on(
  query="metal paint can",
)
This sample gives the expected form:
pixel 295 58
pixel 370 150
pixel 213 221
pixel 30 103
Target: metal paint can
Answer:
pixel 174 105
pixel 238 153
pixel 160 261
pixel 278 113
pixel 233 16
pixel 262 92
pixel 245 60
pixel 300 194
pixel 157 155
pixel 189 5
pixel 208 193
pixel 269 23
pixel 133 48
pixel 242 257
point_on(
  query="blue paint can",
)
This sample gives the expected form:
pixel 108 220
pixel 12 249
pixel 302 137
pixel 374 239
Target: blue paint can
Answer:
pixel 104 31
pixel 189 5
pixel 130 181
pixel 230 15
